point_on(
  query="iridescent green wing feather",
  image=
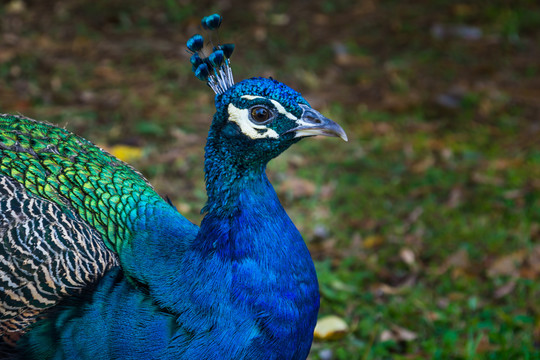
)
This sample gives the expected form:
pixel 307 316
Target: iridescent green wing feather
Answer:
pixel 56 165
pixel 62 202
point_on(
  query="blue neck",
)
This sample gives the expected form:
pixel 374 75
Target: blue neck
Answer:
pixel 232 163
pixel 247 266
pixel 264 258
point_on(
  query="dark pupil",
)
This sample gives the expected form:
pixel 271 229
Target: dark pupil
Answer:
pixel 260 114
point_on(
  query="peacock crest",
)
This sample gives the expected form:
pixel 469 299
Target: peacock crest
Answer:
pixel 214 69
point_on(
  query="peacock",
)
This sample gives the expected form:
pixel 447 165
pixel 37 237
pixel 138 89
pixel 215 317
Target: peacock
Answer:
pixel 94 264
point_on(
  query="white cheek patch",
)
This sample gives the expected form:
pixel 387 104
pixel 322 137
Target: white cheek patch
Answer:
pixel 251 130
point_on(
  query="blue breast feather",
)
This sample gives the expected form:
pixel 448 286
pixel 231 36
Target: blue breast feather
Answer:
pixel 184 307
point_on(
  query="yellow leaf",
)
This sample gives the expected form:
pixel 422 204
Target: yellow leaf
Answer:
pixel 372 241
pixel 330 328
pixel 126 153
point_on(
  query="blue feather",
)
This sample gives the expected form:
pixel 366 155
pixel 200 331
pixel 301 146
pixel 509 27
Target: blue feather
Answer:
pixel 195 60
pixel 195 43
pixel 211 22
pixel 202 72
pixel 216 58
pixel 227 50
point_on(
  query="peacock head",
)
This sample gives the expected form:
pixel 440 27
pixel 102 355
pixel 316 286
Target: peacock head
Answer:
pixel 257 118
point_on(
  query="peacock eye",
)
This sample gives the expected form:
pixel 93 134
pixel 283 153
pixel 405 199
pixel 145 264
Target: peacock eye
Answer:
pixel 260 114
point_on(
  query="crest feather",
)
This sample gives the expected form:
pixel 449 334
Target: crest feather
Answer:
pixel 214 69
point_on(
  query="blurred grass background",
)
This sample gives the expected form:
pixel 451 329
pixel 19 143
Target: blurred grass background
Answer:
pixel 425 226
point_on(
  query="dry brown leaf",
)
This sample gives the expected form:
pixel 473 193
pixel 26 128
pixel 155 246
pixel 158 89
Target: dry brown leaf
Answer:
pixel 408 257
pixel 485 179
pixel 505 164
pixel 384 289
pixel 15 7
pixel 6 55
pixel 386 335
pixel 397 333
pixel 485 346
pixel 422 165
pixel 458 260
pixel 404 334
pixel 108 73
pixel 507 265
pixel 298 187
pixel 327 191
pixel 432 316
pixel 533 259
pixel 455 198
pixel 330 328
pixel 505 289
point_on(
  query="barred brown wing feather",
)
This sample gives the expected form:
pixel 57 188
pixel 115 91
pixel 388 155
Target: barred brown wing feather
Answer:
pixel 47 252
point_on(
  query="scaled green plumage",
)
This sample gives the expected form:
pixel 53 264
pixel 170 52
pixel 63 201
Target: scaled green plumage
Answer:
pixel 57 165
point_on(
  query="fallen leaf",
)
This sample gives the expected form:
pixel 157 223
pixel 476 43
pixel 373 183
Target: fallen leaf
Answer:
pixel 432 316
pixel 384 289
pixel 485 179
pixel 507 265
pixel 404 334
pixel 15 7
pixel 458 261
pixel 298 187
pixel 455 198
pixel 126 153
pixel 505 164
pixel 327 191
pixel 386 335
pixel 505 289
pixel 422 165
pixel 106 72
pixel 533 260
pixel 372 241
pixel 397 333
pixel 330 328
pixel 485 346
pixel 408 257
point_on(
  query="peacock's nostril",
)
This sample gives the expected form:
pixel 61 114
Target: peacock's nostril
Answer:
pixel 315 120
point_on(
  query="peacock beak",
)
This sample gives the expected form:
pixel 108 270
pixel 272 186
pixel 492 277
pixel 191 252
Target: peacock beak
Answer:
pixel 314 123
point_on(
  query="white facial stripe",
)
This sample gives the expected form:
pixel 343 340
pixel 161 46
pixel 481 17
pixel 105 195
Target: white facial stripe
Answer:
pixel 241 118
pixel 251 97
pixel 278 106
pixel 282 110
